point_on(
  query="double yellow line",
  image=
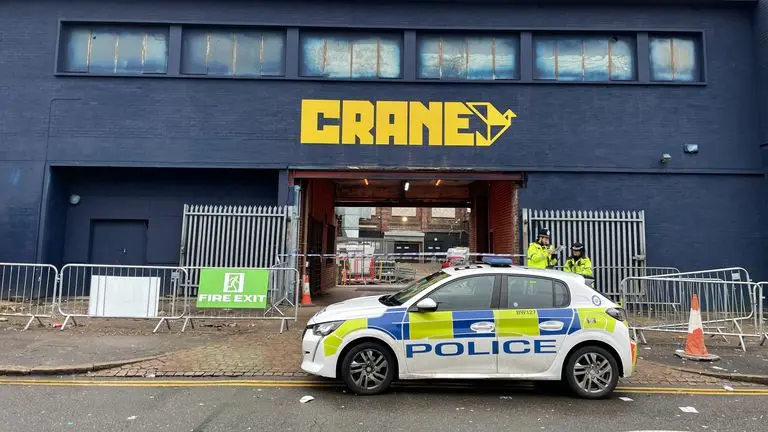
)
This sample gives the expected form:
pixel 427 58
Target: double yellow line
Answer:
pixel 186 383
pixel 747 391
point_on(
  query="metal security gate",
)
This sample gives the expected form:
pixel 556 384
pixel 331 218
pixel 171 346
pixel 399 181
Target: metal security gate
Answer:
pixel 234 236
pixel 614 240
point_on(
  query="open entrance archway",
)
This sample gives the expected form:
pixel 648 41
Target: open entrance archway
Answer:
pixel 489 200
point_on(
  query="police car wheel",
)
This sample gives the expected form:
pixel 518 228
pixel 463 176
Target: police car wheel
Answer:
pixel 368 368
pixel 592 372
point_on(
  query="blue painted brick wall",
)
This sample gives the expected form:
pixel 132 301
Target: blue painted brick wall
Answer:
pixel 692 221
pixel 157 196
pixel 195 122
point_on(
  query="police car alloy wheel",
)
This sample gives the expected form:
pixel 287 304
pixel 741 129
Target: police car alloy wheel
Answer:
pixel 368 368
pixel 592 372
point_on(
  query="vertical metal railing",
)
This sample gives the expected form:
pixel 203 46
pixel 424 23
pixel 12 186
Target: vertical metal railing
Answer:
pixel 233 236
pixel 614 240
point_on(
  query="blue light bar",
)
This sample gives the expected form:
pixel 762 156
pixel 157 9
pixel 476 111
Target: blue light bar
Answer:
pixel 497 261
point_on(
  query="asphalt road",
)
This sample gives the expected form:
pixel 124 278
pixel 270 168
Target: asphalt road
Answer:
pixel 264 406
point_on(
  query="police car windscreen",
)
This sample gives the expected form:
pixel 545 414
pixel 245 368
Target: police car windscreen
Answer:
pixel 415 288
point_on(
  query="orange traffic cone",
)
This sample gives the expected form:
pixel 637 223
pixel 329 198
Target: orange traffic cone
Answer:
pixel 306 298
pixel 694 344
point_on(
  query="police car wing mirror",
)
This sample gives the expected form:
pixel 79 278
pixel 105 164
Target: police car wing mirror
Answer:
pixel 426 305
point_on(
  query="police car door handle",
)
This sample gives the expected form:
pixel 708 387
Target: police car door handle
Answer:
pixel 551 325
pixel 482 327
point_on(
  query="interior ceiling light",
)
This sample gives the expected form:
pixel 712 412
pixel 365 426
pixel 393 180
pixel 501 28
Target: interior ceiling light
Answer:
pixel 406 186
pixel 437 183
pixel 365 181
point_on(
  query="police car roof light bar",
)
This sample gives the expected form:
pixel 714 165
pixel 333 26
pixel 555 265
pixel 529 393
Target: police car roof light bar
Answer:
pixel 498 261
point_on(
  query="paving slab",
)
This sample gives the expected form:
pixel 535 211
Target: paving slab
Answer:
pixel 95 342
pixel 51 348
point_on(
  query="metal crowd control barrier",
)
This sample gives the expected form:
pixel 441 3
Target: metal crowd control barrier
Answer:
pixel 106 291
pixel 28 291
pixel 662 304
pixel 729 274
pixel 760 297
pixel 282 299
pixel 608 279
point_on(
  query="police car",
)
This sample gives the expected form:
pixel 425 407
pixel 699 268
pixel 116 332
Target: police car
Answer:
pixel 484 321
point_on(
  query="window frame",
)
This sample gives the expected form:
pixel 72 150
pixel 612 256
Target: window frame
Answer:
pixel 504 297
pixel 210 29
pixel 495 295
pixel 441 35
pixel 699 51
pixel 352 34
pixel 556 37
pixel 142 28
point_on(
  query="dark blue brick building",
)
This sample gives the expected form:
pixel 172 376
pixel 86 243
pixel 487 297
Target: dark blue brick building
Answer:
pixel 139 107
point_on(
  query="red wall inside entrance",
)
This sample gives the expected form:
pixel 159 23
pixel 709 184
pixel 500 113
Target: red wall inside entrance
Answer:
pixel 321 216
pixel 494 221
pixel 502 217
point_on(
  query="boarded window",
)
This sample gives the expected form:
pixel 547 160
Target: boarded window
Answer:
pixel 99 49
pixel 593 58
pixel 351 56
pixel 233 52
pixel 443 212
pixel 404 211
pixel 675 59
pixel 460 57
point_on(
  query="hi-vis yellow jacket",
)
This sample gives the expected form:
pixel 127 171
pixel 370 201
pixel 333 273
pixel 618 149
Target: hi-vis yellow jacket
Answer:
pixel 539 257
pixel 581 266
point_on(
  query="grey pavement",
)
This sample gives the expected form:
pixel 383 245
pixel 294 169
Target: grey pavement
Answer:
pixel 254 408
pixel 47 347
pixel 733 360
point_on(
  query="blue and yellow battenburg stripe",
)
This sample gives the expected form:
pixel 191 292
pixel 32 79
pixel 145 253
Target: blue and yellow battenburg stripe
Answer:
pixel 399 324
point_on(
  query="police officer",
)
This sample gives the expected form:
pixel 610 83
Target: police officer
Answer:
pixel 578 262
pixel 540 252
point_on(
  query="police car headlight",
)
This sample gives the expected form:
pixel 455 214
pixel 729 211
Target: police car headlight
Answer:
pixel 325 329
pixel 617 313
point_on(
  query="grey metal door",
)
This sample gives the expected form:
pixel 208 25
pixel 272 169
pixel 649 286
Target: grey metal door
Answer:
pixel 118 242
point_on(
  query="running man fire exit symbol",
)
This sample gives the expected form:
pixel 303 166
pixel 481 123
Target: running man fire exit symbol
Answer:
pixel 233 282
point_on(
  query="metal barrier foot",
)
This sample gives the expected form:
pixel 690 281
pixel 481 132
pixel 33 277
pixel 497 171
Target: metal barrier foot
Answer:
pixel 283 326
pixel 187 321
pixel 642 337
pixel 741 338
pixel 29 323
pixel 162 320
pixel 66 320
